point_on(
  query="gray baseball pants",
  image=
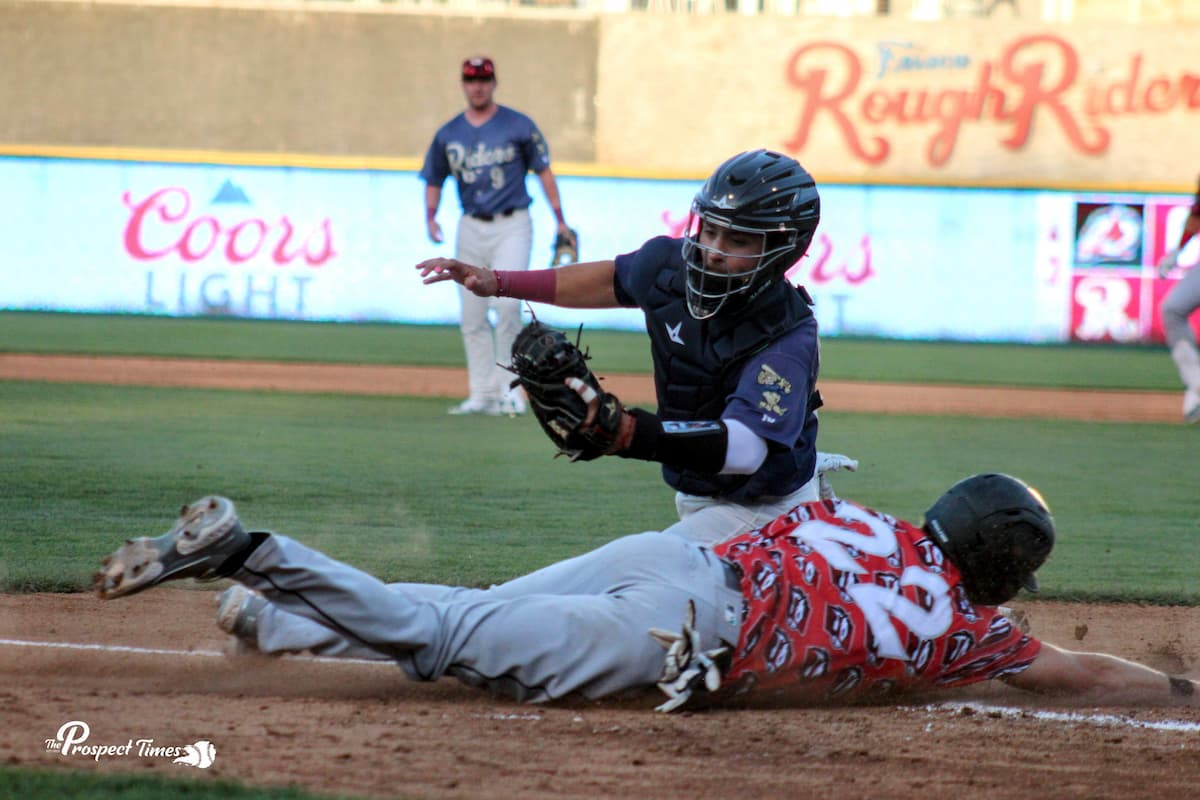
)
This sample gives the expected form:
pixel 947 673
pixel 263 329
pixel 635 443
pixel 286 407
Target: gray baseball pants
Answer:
pixel 577 626
pixel 1176 307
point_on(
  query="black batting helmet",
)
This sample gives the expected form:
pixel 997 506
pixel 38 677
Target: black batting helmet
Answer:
pixel 996 530
pixel 760 192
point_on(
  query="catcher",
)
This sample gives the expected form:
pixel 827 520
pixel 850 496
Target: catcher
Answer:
pixel 734 347
pixel 828 603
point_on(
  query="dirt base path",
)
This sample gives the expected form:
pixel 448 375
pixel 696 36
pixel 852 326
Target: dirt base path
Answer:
pixel 855 396
pixel 153 667
pixel 362 729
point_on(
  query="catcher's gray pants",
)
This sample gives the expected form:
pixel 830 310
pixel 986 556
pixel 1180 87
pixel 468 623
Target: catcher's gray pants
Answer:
pixel 708 520
pixel 502 243
pixel 581 625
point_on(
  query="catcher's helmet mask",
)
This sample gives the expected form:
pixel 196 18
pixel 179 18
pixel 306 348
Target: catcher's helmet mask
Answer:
pixel 997 531
pixel 758 192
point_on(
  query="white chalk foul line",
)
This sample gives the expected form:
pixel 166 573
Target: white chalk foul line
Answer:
pixel 1100 720
pixel 156 651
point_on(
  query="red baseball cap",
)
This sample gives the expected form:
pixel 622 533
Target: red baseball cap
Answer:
pixel 478 67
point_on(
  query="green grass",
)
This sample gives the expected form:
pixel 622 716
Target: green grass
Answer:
pixel 394 484
pixel 401 488
pixel 222 338
pixel 73 785
pixel 1080 366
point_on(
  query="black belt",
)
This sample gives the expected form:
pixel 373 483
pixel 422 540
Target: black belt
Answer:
pixel 733 577
pixel 508 212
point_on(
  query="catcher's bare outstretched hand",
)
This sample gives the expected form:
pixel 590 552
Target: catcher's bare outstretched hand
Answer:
pixel 476 280
pixel 584 421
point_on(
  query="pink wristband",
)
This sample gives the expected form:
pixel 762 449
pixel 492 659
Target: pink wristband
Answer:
pixel 538 285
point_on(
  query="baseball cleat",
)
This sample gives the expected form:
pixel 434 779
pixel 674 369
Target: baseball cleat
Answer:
pixel 205 535
pixel 513 405
pixel 237 613
pixel 488 408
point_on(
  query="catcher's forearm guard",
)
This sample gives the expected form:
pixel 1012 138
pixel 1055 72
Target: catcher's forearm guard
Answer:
pixel 699 445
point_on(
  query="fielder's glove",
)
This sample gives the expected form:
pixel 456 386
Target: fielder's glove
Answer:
pixel 566 248
pixel 560 386
pixel 687 666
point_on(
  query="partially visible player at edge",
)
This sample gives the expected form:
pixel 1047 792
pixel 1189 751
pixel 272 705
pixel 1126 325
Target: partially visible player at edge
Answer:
pixel 1176 308
pixel 829 602
pixel 488 149
pixel 734 344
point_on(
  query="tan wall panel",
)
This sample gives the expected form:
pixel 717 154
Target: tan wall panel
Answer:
pixel 675 94
pixel 727 84
pixel 262 80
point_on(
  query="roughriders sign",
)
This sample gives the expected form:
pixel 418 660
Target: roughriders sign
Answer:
pixel 871 102
pixel 908 101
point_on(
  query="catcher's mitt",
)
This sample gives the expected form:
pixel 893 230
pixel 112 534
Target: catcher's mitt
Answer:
pixel 566 248
pixel 543 360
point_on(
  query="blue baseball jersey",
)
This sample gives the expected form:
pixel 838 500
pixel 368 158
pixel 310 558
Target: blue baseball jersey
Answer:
pixel 488 162
pixel 758 366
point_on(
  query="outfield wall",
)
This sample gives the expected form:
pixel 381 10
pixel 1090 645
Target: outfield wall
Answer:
pixel 999 102
pixel 320 244
pixel 280 78
pixel 982 179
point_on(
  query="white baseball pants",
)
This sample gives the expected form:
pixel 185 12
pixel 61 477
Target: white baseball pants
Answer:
pixel 502 243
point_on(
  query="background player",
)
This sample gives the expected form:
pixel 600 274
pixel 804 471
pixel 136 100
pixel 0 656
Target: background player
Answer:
pixel 1177 306
pixel 734 344
pixel 489 148
pixel 830 601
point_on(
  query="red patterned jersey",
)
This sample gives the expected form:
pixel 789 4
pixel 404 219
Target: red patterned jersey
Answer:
pixel 843 601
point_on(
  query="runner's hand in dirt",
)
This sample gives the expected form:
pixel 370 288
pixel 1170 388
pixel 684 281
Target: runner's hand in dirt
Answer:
pixel 476 280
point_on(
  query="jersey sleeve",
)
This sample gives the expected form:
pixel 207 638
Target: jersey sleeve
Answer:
pixel 436 168
pixel 536 150
pixel 997 649
pixel 772 394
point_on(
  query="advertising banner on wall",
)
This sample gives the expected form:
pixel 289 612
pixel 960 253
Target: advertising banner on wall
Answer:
pixel 310 244
pixel 1015 102
pixel 1116 287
